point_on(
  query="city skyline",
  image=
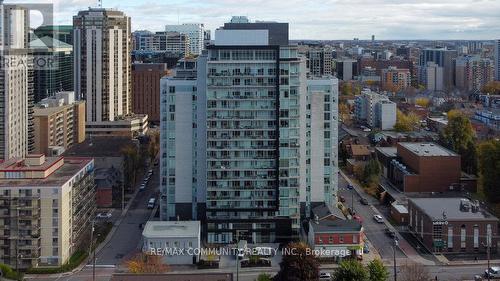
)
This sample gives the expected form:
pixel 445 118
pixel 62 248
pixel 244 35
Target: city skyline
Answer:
pixel 386 19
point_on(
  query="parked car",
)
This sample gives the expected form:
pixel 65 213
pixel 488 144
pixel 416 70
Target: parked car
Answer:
pixel 357 218
pixel 366 248
pixel 378 218
pixel 492 272
pixel 142 187
pixel 363 201
pixel 151 203
pixel 390 233
pixel 325 276
pixel 349 186
pixel 107 215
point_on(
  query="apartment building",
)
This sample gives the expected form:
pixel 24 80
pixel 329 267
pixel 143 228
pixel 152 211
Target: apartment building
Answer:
pixel 170 41
pixel 195 33
pixel 472 73
pixel 16 89
pixel 59 122
pixel 46 207
pixel 434 77
pixel 102 79
pixel 319 62
pixel 395 79
pixel 234 137
pixel 497 60
pixel 376 110
pixel 146 89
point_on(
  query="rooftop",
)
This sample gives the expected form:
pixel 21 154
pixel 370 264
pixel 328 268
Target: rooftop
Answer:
pixel 389 151
pixel 360 150
pixel 450 207
pixel 427 149
pixel 100 147
pixel 329 226
pixel 171 229
pixel 325 210
pixel 71 166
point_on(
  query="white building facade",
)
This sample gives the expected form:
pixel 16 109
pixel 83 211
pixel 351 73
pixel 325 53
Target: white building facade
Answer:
pixel 195 32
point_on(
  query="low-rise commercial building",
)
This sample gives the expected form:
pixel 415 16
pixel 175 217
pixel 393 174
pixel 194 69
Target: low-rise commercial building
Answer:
pixel 425 167
pixel 336 239
pixel 452 225
pixel 123 126
pixel 46 205
pixel 183 236
pixel 59 122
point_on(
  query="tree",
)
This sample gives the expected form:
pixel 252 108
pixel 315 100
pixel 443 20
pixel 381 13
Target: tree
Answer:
pixel 406 123
pixel 423 102
pixel 413 272
pixel 298 264
pixel 346 89
pixel 492 88
pixel 264 277
pixel 459 136
pixel 131 164
pixel 154 146
pixel 372 168
pixel 349 270
pixel 489 167
pixel 377 271
pixel 145 263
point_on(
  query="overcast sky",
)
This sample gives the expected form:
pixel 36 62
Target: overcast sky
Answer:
pixel 315 19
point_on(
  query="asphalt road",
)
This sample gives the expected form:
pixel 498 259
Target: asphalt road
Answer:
pixel 127 237
pixel 375 232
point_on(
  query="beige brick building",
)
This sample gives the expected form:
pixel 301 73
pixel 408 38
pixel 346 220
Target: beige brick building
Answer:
pixel 59 122
pixel 46 205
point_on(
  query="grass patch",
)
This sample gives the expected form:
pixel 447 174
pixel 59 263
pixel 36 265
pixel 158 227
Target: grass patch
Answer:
pixel 10 273
pixel 74 261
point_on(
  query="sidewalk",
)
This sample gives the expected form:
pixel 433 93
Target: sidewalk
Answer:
pixel 97 250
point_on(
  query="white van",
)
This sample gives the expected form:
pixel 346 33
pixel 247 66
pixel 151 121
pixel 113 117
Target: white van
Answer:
pixel 493 272
pixel 151 203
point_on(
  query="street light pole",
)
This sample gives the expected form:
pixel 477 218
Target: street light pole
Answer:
pixel 91 244
pixel 394 255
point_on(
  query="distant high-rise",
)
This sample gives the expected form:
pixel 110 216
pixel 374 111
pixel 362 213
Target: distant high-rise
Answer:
pixel 395 79
pixel 16 104
pixel 319 62
pixel 195 32
pixel 146 88
pixel 473 72
pixel 63 33
pixel 174 42
pixel 102 47
pixel 442 57
pixel 50 80
pixel 433 77
pixel 497 60
pixel 346 69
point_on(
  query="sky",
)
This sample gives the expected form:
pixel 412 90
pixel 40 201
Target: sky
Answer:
pixel 312 19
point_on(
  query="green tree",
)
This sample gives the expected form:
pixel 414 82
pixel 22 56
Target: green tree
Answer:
pixel 489 167
pixel 372 168
pixel 264 277
pixel 459 136
pixel 377 271
pixel 298 264
pixel 350 270
pixel 346 89
pixel 131 164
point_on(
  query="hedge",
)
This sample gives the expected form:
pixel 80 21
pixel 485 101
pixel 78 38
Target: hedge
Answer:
pixel 9 273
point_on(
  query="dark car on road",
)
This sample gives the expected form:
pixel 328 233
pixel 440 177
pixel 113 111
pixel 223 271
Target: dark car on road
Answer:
pixel 390 233
pixel 363 201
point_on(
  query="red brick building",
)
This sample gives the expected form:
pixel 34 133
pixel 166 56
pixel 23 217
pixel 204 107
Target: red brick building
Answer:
pixel 452 225
pixel 336 238
pixel 146 89
pixel 425 167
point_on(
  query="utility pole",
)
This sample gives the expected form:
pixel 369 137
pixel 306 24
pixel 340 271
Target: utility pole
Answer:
pixel 394 255
pixel 352 200
pixel 91 244
pixel 488 256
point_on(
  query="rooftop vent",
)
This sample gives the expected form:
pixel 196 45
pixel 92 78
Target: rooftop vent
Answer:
pixel 465 205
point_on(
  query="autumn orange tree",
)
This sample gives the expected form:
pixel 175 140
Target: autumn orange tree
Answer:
pixel 145 263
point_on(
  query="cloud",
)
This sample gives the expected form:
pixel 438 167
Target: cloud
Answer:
pixel 316 19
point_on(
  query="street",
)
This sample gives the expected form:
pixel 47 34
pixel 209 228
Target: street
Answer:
pixel 127 237
pixel 374 231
